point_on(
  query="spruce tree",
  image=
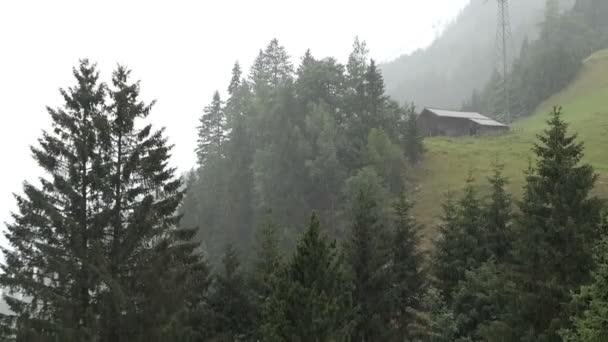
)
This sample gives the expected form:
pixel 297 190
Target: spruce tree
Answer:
pixel 234 104
pixel 151 266
pixel 386 158
pixel 460 246
pixel 407 277
pixel 95 251
pixel 310 297
pixel 368 258
pixel 52 267
pixel 357 65
pixel 557 230
pixel 353 117
pixel 230 300
pixel 497 217
pixel 237 168
pixel 479 300
pixel 272 68
pixel 267 263
pixel 412 138
pixel 441 323
pixel 375 97
pixel 212 131
pixel 212 180
pixel 268 258
pixel 324 169
pixel 321 82
pixel 446 262
pixel 590 304
pixel 281 181
pixel 481 296
pixel 235 81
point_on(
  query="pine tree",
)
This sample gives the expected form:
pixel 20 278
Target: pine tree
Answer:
pixel 51 268
pixel 557 231
pixel 212 131
pixel 310 300
pixel 406 271
pixel 368 257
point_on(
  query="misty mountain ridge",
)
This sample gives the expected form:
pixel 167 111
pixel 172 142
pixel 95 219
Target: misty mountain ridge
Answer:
pixel 463 57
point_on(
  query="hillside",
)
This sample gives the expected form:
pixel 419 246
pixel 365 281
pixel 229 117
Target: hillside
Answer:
pixel 469 44
pixel 448 160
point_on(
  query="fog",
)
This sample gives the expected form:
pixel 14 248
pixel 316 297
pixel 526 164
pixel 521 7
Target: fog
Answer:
pixel 310 171
pixel 182 51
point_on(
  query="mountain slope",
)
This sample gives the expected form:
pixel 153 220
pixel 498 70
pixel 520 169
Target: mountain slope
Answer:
pixel 463 57
pixel 449 160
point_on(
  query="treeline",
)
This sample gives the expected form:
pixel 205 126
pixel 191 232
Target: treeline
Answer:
pixel 548 64
pixel 293 141
pixel 501 270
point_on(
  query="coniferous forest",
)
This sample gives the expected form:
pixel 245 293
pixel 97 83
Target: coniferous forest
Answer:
pixel 297 223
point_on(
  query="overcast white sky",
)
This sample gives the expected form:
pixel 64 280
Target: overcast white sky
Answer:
pixel 181 51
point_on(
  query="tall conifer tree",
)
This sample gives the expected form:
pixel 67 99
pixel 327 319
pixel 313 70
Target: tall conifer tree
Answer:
pixel 311 286
pixel 212 131
pixel 52 264
pixel 95 250
pixel 406 271
pixel 556 233
pixel 368 256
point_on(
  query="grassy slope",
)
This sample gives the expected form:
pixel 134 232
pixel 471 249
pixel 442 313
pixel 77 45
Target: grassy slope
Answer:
pixel 449 160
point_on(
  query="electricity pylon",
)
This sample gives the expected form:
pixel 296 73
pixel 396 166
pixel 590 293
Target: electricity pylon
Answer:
pixel 503 52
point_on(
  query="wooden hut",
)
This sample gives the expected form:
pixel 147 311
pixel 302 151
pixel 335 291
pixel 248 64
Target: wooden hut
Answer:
pixel 437 122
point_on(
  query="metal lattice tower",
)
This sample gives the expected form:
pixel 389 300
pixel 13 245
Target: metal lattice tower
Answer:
pixel 504 43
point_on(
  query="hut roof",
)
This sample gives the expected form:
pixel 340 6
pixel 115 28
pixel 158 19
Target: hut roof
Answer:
pixel 475 117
